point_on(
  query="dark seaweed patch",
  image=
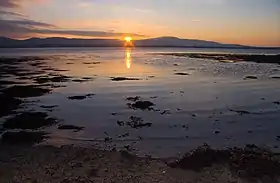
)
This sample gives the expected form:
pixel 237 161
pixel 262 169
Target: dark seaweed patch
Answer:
pixel 48 69
pixel 54 79
pixel 124 135
pixel 77 97
pixel 108 139
pixel 23 138
pixel 60 70
pixel 251 77
pixel 70 127
pixel 80 97
pixel 25 91
pixel 27 73
pixel 29 120
pixel 182 74
pixel 142 105
pixel 124 79
pixel 165 112
pixel 36 64
pixel 83 79
pixel 134 122
pixel 48 106
pixel 242 112
pixel 217 131
pixel 91 63
pixel 6 82
pixel 23 78
pixel 8 105
pixel 133 99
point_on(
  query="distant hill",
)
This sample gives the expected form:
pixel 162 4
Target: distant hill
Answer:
pixel 177 42
pixel 58 42
pixel 154 42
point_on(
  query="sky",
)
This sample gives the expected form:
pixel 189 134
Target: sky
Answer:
pixel 246 22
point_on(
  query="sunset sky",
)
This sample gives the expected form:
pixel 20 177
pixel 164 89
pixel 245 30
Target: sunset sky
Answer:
pixel 247 22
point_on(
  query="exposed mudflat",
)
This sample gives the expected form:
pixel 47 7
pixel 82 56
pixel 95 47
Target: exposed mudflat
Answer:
pixel 126 110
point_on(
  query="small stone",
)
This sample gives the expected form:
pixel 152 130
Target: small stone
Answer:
pixel 217 132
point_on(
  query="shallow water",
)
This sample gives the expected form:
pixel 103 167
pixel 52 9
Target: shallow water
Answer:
pixel 190 110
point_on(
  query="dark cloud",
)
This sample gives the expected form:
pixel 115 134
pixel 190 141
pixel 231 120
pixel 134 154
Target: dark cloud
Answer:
pixel 83 33
pixel 24 28
pixel 13 24
pixel 20 27
pixel 27 23
pixel 9 28
pixel 8 13
pixel 8 8
pixel 8 3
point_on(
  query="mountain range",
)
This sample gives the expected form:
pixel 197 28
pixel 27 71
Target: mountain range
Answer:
pixel 153 42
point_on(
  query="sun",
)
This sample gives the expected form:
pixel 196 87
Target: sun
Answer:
pixel 128 39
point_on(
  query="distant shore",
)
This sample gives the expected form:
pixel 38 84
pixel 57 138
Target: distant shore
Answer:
pixel 106 46
pixel 274 59
pixel 159 42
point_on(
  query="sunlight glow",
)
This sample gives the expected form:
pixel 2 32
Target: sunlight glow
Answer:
pixel 128 58
pixel 128 39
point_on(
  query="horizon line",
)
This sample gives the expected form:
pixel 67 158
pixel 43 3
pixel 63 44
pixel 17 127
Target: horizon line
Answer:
pixel 121 39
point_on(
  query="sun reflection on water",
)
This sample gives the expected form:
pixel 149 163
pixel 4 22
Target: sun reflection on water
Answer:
pixel 128 58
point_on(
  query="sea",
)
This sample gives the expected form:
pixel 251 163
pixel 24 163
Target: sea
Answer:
pixel 195 101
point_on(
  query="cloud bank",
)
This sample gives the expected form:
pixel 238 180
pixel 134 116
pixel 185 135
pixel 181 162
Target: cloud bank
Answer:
pixel 9 3
pixel 16 25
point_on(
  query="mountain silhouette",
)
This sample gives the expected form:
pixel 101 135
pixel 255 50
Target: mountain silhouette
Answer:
pixel 153 42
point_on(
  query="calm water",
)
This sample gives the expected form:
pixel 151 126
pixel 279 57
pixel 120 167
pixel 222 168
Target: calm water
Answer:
pixel 194 109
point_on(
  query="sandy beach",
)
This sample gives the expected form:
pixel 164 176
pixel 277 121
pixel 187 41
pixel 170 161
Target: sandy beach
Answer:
pixel 75 164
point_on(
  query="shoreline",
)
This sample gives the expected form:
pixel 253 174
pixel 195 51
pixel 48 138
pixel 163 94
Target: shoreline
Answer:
pixel 79 164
